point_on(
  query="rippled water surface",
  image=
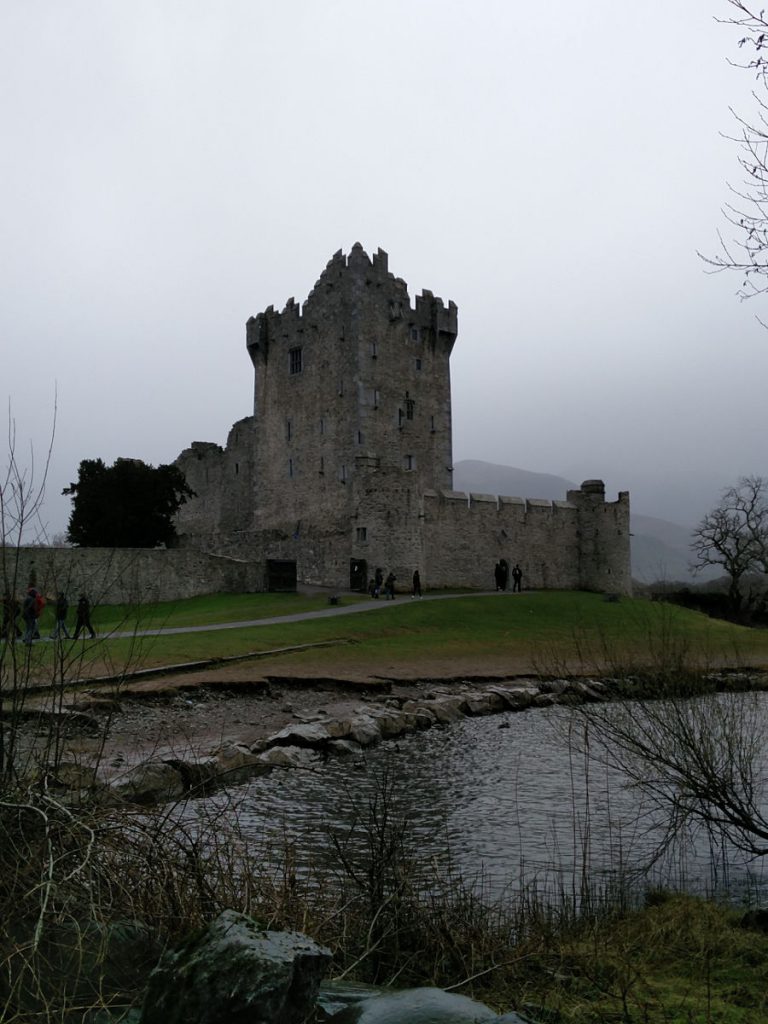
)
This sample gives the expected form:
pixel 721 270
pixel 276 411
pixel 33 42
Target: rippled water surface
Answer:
pixel 508 794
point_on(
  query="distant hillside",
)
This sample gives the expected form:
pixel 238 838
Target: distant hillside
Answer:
pixel 660 549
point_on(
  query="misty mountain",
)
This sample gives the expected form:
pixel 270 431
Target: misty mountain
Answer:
pixel 660 549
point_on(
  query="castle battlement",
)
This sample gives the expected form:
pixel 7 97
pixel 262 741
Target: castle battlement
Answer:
pixel 346 461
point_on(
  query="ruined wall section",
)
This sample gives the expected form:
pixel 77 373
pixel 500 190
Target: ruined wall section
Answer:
pixel 224 482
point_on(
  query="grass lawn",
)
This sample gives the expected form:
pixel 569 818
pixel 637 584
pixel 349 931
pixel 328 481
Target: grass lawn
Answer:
pixel 550 631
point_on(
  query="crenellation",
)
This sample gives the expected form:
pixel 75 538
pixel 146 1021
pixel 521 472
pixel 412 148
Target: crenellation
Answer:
pixel 347 457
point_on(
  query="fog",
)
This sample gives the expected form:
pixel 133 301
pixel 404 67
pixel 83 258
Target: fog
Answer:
pixel 171 167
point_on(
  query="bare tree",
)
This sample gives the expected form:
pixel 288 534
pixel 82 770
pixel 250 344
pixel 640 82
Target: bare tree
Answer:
pixel 701 760
pixel 734 535
pixel 747 212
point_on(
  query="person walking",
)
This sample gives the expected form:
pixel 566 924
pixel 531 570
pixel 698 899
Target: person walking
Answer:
pixel 517 578
pixel 62 607
pixel 83 617
pixel 378 579
pixel 29 613
pixel 416 592
pixel 389 586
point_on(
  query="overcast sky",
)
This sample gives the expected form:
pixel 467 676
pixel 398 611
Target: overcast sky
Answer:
pixel 171 167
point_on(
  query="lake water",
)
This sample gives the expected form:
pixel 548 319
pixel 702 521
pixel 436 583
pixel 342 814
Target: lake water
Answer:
pixel 508 795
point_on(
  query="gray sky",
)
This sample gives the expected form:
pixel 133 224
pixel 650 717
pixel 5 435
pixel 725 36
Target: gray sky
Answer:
pixel 171 167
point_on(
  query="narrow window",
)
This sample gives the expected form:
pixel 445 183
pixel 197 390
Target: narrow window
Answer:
pixel 237 468
pixel 410 405
pixel 294 360
pixel 376 398
pixel 414 334
pixel 374 350
pixel 362 533
pixel 359 437
pixel 288 430
pixel 400 417
pixel 322 425
pixel 432 424
pixel 343 474
pixel 408 462
pixel 418 364
pixel 341 388
pixel 290 467
pixel 322 465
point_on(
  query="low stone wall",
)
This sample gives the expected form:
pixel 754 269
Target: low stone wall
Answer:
pixel 125 575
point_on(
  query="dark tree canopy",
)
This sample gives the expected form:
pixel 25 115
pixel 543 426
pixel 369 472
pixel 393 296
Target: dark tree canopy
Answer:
pixel 734 535
pixel 127 505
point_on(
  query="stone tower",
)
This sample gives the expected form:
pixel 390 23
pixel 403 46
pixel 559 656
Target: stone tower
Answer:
pixel 346 463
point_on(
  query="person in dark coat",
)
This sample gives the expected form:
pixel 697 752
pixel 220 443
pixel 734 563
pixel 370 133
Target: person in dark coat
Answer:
pixel 416 592
pixel 83 617
pixel 29 615
pixel 378 579
pixel 517 579
pixel 497 572
pixel 389 586
pixel 503 573
pixel 62 607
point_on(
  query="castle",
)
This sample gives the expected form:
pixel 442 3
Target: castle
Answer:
pixel 346 463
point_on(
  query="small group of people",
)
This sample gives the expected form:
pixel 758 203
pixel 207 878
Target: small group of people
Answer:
pixel 31 608
pixel 501 576
pixel 379 585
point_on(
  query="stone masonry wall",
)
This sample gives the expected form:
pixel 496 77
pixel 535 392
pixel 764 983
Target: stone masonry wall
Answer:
pixel 466 535
pixel 125 575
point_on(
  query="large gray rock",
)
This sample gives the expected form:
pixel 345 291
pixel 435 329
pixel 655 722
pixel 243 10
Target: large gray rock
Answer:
pixel 415 1006
pixel 150 782
pixel 235 973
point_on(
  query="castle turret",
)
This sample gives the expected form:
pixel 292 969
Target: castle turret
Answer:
pixel 603 539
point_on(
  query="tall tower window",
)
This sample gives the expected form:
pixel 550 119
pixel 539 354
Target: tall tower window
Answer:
pixel 295 363
pixel 288 430
pixel 362 533
pixel 409 462
pixel 410 405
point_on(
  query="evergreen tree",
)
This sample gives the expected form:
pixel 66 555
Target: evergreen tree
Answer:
pixel 127 505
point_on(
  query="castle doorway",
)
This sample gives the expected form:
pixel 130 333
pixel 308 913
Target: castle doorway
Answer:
pixel 358 574
pixel 281 576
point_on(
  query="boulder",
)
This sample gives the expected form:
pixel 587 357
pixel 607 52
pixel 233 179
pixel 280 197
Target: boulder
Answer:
pixel 416 1006
pixel 448 709
pixel 305 734
pixel 487 703
pixel 235 762
pixel 289 757
pixel 236 973
pixel 364 731
pixel 516 698
pixel 151 782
